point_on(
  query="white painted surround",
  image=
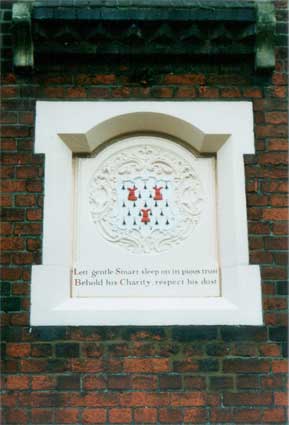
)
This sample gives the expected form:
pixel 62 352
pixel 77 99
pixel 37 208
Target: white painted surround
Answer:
pixel 224 128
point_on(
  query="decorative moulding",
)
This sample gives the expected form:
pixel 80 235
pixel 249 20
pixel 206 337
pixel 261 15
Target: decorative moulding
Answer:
pixel 190 29
pixel 64 129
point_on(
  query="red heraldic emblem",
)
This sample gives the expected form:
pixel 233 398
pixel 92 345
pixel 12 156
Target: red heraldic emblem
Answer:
pixel 131 194
pixel 145 215
pixel 158 195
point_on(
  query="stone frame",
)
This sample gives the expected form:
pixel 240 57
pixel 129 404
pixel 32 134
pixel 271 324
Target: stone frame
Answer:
pixel 223 128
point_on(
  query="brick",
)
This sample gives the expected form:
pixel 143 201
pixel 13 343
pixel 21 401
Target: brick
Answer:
pixel 93 350
pixel 248 381
pixel 278 145
pixel 94 382
pixel 26 117
pixel 275 214
pixel 246 365
pixel 144 382
pixel 24 200
pixel 169 415
pixel 8 145
pixel 146 365
pixel 34 214
pixel 54 92
pixel 244 333
pixel 247 415
pixel 137 333
pixel 273 158
pixel 208 92
pixel 276 303
pixel 149 399
pixel 67 349
pixel 170 382
pixel 86 365
pixel 102 79
pixel 15 382
pixel 278 333
pixel 186 92
pixel 34 186
pixel 195 415
pixel 186 79
pixel 15 131
pixel 261 257
pixel 42 382
pixel 188 399
pixel 252 92
pixel 11 244
pixel 28 229
pixel 163 92
pixel 77 92
pixel 281 399
pixel 42 416
pixel 41 350
pixel 274 415
pixel 278 186
pixel 280 243
pixel 26 172
pixel 270 130
pixel 94 416
pixel 12 186
pixel 230 92
pixel 272 382
pixel 121 92
pixel 17 416
pixel 18 350
pixel 280 366
pixel 120 415
pixel 8 91
pixel 221 415
pixel 118 382
pixel 98 92
pixel 192 333
pixel 221 382
pixel 5 200
pixel 277 117
pixel 33 366
pixel 68 382
pixel 279 200
pixel 247 399
pixel 269 350
pixel 184 366
pixel 272 273
pixel 10 304
pixel 67 416
pixel 146 415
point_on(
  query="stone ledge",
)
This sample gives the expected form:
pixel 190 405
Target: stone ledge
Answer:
pixel 227 29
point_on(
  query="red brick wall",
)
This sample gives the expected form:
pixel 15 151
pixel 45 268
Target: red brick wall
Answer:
pixel 164 375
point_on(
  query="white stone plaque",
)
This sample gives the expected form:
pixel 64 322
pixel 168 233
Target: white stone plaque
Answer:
pixel 146 222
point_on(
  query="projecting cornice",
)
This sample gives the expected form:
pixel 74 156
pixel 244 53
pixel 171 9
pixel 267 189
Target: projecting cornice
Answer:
pixel 144 27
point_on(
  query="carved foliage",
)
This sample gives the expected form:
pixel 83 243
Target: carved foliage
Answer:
pixel 146 161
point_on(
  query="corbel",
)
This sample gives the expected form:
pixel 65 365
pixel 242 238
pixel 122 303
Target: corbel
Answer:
pixel 23 58
pixel 265 33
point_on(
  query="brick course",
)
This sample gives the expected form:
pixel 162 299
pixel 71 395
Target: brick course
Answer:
pixel 171 375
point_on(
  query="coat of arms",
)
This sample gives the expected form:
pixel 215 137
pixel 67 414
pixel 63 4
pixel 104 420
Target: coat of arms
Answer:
pixel 146 204
pixel 147 197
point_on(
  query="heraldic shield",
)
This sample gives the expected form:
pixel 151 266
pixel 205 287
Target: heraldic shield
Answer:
pixel 146 204
pixel 146 198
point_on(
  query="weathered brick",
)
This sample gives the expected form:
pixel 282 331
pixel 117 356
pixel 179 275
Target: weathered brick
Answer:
pixel 170 415
pixel 147 415
pixel 146 365
pixel 120 415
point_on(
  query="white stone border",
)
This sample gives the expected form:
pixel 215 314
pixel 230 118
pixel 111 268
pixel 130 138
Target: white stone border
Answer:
pixel 222 127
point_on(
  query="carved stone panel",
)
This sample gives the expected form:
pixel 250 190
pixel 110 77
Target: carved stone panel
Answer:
pixel 145 198
pixel 145 221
